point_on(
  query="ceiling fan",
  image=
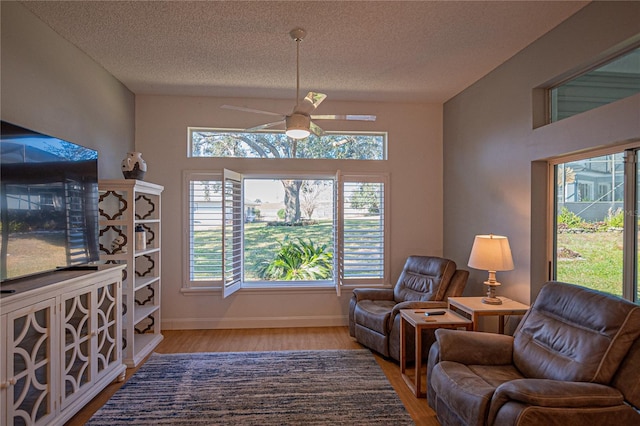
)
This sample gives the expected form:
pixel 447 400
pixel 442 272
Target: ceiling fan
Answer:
pixel 300 123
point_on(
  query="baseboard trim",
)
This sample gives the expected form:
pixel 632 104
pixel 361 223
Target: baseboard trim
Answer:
pixel 252 322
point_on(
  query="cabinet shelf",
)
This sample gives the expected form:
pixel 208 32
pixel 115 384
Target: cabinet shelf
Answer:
pixel 146 251
pixel 145 221
pixel 142 282
pixel 139 314
pixel 125 204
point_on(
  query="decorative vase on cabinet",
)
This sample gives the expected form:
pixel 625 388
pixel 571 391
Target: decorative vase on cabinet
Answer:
pixel 133 166
pixel 130 210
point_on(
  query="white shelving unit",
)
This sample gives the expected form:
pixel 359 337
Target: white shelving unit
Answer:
pixel 124 205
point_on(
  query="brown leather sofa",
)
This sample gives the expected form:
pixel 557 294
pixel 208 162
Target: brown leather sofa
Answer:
pixel 425 282
pixel 573 360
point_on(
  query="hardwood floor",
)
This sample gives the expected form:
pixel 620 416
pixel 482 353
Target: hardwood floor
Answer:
pixel 271 339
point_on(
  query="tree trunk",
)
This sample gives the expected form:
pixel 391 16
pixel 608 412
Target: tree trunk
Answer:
pixel 292 200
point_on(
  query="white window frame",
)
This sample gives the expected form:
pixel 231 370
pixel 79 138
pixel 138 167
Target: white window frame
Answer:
pixel 230 283
pixel 630 233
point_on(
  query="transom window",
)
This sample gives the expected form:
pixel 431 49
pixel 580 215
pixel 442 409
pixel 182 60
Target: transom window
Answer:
pixel 205 142
pixel 614 80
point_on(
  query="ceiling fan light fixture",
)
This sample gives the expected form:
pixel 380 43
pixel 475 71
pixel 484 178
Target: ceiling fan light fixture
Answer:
pixel 298 126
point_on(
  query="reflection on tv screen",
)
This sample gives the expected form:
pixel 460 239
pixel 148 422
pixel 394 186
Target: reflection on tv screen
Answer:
pixel 48 203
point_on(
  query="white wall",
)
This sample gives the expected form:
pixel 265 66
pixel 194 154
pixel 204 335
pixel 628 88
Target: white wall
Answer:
pixel 49 85
pixel 414 165
pixel 494 182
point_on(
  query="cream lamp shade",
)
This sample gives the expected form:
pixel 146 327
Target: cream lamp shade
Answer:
pixel 491 253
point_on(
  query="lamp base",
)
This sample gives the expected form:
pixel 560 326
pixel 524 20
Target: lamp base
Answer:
pixel 490 298
pixel 491 301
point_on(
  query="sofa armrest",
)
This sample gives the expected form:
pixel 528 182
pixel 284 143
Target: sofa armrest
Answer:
pixel 373 294
pixel 474 348
pixel 431 304
pixel 554 393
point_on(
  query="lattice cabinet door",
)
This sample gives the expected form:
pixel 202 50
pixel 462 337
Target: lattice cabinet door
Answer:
pixel 108 327
pixel 78 330
pixel 29 377
pixel 90 332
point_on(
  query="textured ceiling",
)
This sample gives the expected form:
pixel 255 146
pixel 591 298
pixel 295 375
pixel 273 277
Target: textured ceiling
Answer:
pixel 415 51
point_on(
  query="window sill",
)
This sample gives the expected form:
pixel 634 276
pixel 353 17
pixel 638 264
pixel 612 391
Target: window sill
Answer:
pixel 270 288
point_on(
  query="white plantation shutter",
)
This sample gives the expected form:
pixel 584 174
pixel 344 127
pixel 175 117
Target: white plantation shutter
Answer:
pixel 363 231
pixel 232 232
pixel 338 263
pixel 203 236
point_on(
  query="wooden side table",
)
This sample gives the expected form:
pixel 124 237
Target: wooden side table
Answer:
pixel 417 319
pixel 474 307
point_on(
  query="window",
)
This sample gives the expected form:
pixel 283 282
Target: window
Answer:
pixel 363 230
pixel 204 218
pixel 284 230
pixel 617 79
pixel 595 235
pixel 204 142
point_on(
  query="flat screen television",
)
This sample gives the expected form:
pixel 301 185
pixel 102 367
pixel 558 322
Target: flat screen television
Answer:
pixel 48 203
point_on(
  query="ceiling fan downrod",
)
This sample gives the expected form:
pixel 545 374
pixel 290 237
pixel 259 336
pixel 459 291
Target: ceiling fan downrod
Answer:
pixel 297 34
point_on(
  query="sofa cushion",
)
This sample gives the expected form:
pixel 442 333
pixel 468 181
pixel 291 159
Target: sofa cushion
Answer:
pixel 466 392
pixel 575 334
pixel 374 315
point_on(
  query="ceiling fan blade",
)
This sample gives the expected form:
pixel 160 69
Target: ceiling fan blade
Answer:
pixel 315 129
pixel 315 98
pixel 256 111
pixel 350 117
pixel 310 102
pixel 265 126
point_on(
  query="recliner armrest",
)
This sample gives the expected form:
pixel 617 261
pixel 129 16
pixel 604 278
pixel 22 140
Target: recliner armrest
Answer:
pixel 474 348
pixel 554 393
pixel 373 294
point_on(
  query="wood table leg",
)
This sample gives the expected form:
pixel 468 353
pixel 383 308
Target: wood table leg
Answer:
pixel 418 361
pixel 403 349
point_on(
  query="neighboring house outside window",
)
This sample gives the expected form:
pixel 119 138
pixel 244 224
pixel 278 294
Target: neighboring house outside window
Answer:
pixel 616 79
pixel 595 238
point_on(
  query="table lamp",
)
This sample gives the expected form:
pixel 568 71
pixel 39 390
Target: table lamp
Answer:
pixel 491 253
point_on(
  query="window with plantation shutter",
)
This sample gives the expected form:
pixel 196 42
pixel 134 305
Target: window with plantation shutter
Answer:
pixel 204 224
pixel 233 234
pixel 363 231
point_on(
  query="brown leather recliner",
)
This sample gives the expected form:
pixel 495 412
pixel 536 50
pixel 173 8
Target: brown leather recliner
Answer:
pixel 425 282
pixel 573 360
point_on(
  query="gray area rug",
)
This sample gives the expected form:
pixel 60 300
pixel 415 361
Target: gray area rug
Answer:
pixel 333 387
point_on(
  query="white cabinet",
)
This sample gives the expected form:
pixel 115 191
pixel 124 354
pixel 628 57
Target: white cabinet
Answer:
pixel 61 344
pixel 126 205
pixel 28 381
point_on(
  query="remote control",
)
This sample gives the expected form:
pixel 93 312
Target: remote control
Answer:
pixel 430 314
